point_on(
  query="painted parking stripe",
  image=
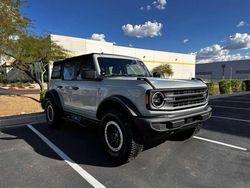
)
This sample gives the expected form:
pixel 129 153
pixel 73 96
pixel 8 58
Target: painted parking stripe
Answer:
pixel 220 143
pixel 233 101
pixel 230 107
pixel 89 178
pixel 234 119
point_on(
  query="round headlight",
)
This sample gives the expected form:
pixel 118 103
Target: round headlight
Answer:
pixel 158 100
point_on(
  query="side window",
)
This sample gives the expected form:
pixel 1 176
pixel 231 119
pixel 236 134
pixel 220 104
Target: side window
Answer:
pixel 56 71
pixel 68 71
pixel 85 64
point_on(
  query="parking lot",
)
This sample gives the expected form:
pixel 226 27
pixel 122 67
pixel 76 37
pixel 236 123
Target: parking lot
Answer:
pixel 36 156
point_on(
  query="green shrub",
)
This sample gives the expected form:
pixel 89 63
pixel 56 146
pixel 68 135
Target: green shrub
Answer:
pixel 42 96
pixel 236 85
pixel 213 88
pixel 225 86
pixel 243 86
pixel 20 85
pixel 3 84
pixel 247 83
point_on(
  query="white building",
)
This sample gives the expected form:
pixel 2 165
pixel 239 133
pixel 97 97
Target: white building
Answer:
pixel 183 65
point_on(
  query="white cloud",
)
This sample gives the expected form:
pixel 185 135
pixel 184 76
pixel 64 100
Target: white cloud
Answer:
pixel 234 49
pixel 160 4
pixel 185 41
pixel 238 41
pixel 98 37
pixel 211 51
pixel 148 29
pixel 241 24
pixel 130 45
pixel 148 7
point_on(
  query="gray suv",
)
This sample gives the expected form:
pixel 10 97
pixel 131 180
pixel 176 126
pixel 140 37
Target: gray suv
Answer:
pixel 131 107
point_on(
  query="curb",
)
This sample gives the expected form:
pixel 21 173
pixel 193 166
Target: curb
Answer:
pixel 229 95
pixel 11 122
pixel 19 89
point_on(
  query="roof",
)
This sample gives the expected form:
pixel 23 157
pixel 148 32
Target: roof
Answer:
pixel 91 54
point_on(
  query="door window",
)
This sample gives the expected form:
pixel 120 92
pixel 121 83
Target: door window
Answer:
pixel 68 71
pixel 85 64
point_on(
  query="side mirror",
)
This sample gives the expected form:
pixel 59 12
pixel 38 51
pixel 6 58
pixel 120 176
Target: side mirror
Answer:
pixel 156 74
pixel 89 74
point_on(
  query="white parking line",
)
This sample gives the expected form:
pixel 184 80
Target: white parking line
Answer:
pixel 230 107
pixel 218 100
pixel 228 118
pixel 220 143
pixel 89 178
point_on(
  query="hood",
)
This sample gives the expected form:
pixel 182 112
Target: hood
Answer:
pixel 161 83
pixel 158 83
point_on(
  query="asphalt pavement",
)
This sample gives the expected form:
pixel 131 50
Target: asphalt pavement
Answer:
pixel 37 156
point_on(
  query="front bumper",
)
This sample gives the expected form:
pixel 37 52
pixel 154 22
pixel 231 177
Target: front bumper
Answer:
pixel 159 126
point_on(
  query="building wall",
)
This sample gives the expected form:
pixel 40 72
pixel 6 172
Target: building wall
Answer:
pixel 183 65
pixel 239 69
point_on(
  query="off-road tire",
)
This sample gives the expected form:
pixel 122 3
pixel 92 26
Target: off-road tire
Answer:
pixel 131 143
pixel 53 114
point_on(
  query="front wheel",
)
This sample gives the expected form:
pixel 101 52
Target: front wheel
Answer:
pixel 120 139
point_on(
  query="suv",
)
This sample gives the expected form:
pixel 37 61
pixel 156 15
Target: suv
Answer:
pixel 131 106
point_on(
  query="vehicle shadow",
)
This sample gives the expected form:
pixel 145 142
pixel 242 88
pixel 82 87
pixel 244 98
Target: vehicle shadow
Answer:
pixel 81 144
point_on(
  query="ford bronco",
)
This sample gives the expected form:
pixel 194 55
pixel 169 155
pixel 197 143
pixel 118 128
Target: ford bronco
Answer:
pixel 131 106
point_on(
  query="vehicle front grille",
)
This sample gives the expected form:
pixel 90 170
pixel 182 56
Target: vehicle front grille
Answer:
pixel 185 98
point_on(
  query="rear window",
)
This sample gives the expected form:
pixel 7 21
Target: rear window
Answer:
pixel 56 71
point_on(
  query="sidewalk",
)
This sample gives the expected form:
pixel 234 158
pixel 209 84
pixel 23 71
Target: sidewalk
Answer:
pixel 22 120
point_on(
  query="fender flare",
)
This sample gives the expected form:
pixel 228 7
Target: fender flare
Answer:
pixel 122 102
pixel 52 94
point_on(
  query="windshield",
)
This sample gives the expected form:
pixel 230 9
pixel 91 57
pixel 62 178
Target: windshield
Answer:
pixel 122 67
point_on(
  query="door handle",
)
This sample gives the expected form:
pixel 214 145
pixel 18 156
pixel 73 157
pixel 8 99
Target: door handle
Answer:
pixel 59 87
pixel 75 88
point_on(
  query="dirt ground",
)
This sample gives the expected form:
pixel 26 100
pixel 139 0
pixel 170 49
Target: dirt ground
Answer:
pixel 19 105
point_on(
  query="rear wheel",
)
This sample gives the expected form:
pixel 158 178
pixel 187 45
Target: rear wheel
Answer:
pixel 120 140
pixel 53 115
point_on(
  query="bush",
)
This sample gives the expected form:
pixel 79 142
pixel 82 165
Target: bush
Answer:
pixel 213 88
pixel 20 85
pixel 236 85
pixel 247 84
pixel 42 96
pixel 243 86
pixel 3 84
pixel 225 86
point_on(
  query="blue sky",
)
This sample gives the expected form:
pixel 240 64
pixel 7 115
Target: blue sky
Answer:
pixel 210 26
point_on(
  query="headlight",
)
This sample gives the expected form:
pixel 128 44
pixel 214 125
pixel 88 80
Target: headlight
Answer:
pixel 158 100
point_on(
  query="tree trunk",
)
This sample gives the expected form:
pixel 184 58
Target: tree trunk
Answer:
pixel 35 79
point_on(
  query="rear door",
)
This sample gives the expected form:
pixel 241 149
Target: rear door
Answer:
pixel 67 85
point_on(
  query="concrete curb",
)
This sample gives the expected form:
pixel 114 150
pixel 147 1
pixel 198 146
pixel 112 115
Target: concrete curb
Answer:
pixel 22 120
pixel 229 95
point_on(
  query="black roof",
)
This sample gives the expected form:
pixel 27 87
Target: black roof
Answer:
pixel 86 55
